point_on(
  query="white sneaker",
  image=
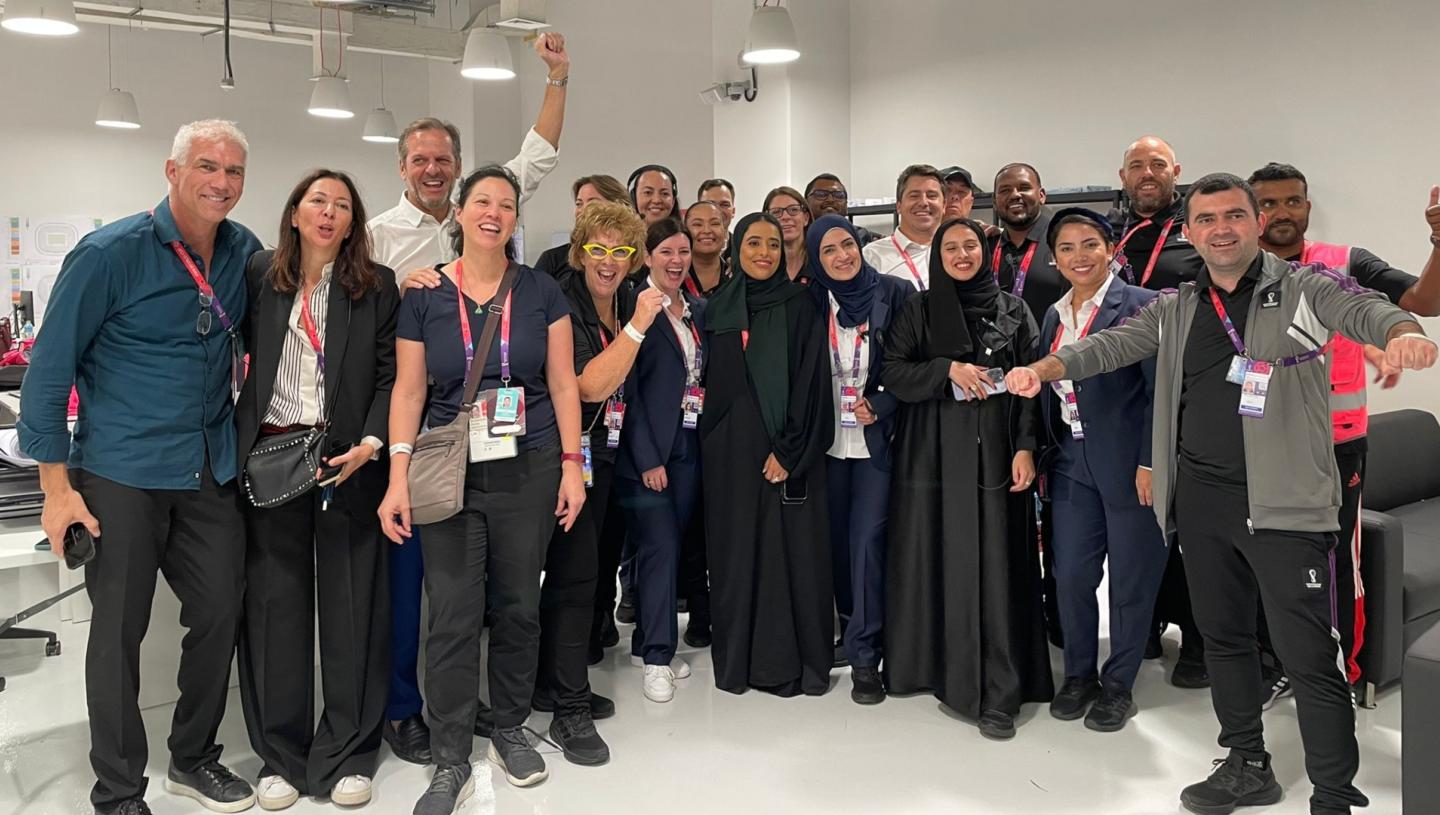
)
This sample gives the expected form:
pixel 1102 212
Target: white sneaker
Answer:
pixel 679 667
pixel 351 791
pixel 275 793
pixel 659 683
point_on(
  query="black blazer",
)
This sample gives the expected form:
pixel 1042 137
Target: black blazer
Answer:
pixel 891 295
pixel 654 389
pixel 359 335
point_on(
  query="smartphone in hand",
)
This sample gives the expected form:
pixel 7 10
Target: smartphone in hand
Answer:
pixel 329 474
pixel 79 546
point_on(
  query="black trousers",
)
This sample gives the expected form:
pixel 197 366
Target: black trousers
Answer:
pixel 301 561
pixel 1172 605
pixel 567 599
pixel 610 545
pixel 694 581
pixel 1232 571
pixel 196 538
pixel 493 548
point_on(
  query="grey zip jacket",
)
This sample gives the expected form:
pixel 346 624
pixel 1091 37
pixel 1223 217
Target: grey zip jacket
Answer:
pixel 1289 457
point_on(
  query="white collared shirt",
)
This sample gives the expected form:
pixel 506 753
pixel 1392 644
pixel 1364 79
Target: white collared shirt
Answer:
pixel 1073 322
pixel 889 260
pixel 405 238
pixel 849 441
pixel 299 390
pixel 682 333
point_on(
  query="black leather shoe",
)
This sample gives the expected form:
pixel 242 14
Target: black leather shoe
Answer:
pixel 409 740
pixel 601 707
pixel 129 806
pixel 841 660
pixel 1235 782
pixel 609 634
pixel 1190 674
pixel 484 719
pixel 213 786
pixel 1110 712
pixel 868 690
pixel 625 612
pixel 1074 697
pixel 997 725
pixel 1154 649
pixel 698 635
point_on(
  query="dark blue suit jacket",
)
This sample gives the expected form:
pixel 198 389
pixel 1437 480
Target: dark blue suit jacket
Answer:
pixel 1116 408
pixel 653 394
pixel 893 293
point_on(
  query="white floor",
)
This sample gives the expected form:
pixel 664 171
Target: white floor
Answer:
pixel 713 752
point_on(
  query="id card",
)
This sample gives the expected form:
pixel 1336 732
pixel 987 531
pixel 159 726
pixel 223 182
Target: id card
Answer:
pixel 485 446
pixel 614 421
pixel 1255 389
pixel 506 411
pixel 849 398
pixel 1236 374
pixel 588 467
pixel 691 406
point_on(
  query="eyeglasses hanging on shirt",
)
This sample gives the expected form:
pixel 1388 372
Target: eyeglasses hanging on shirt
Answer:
pixel 209 303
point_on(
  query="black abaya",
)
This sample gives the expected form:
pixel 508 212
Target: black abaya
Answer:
pixel 963 610
pixel 769 561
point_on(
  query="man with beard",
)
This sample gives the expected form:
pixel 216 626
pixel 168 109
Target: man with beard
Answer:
pixel 1284 198
pixel 1021 258
pixel 1150 229
pixel 920 203
pixel 1152 238
pixel 826 195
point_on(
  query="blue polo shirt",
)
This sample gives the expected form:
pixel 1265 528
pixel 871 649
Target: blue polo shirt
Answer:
pixel 155 399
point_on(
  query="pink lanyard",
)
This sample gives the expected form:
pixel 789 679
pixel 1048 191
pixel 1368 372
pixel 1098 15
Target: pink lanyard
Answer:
pixel 1019 285
pixel 914 272
pixel 465 327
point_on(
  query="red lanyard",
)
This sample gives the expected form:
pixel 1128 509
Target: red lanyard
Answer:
pixel 914 272
pixel 692 375
pixel 1019 285
pixel 835 348
pixel 312 331
pixel 691 284
pixel 202 284
pixel 744 339
pixel 1240 344
pixel 1155 252
pixel 1060 332
pixel 465 327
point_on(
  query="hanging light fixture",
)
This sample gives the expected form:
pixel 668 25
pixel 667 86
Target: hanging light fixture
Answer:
pixel 331 98
pixel 771 37
pixel 380 124
pixel 46 18
pixel 487 56
pixel 117 107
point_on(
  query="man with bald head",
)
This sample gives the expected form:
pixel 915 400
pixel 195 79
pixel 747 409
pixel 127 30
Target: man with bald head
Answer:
pixel 1150 225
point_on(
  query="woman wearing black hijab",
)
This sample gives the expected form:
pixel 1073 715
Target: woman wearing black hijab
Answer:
pixel 963 613
pixel 764 431
pixel 859 304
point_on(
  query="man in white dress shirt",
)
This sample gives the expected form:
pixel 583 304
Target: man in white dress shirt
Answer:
pixel 920 201
pixel 412 238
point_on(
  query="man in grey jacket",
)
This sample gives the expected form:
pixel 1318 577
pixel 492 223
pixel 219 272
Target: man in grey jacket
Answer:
pixel 1245 475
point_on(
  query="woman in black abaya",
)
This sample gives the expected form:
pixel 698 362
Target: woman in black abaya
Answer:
pixel 763 435
pixel 963 615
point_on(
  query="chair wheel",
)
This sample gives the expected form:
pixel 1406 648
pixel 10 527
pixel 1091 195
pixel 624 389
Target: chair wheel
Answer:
pixel 52 649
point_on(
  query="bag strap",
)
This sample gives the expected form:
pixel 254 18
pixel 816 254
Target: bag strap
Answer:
pixel 487 335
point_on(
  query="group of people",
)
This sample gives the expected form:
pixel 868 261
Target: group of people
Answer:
pixel 774 422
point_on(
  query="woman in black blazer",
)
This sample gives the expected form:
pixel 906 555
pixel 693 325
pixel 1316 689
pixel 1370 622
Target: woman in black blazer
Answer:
pixel 858 304
pixel 321 334
pixel 657 472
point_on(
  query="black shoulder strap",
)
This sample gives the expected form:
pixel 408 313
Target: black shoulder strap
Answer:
pixel 487 334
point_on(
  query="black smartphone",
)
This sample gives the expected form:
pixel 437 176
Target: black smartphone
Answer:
pixel 792 492
pixel 328 474
pixel 79 546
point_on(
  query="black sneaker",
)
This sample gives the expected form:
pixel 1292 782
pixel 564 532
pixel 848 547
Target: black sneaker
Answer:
pixel 1236 782
pixel 409 740
pixel 868 690
pixel 1111 710
pixel 450 786
pixel 601 707
pixel 511 751
pixel 841 660
pixel 997 725
pixel 215 787
pixel 577 738
pixel 625 613
pixel 1273 689
pixel 1074 697
pixel 484 719
pixel 682 605
pixel 697 635
pixel 1154 648
pixel 1190 674
pixel 609 634
pixel 129 806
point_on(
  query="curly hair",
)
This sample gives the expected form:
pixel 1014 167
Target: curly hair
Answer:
pixel 607 216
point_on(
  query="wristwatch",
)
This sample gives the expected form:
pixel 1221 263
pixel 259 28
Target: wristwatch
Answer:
pixel 1435 240
pixel 559 83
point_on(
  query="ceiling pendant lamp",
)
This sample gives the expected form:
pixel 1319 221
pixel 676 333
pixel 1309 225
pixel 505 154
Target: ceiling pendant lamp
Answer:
pixel 380 124
pixel 770 39
pixel 487 56
pixel 331 98
pixel 46 18
pixel 117 107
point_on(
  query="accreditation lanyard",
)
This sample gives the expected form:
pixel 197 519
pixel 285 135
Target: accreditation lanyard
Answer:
pixel 605 344
pixel 860 331
pixel 1060 332
pixel 312 331
pixel 692 283
pixel 1154 253
pixel 692 375
pixel 905 256
pixel 1239 344
pixel 237 357
pixel 1019 285
pixel 465 327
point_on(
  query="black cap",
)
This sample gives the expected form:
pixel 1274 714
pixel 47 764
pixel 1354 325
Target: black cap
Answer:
pixel 955 171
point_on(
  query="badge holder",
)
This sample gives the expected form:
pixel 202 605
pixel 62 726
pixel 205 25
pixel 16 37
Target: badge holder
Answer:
pixel 614 422
pixel 505 409
pixel 691 406
pixel 1254 389
pixel 849 398
pixel 484 445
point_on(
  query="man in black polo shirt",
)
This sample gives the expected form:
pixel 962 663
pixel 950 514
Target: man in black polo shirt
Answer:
pixel 1021 258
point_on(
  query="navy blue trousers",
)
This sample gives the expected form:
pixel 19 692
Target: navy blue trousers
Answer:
pixel 859 504
pixel 407 580
pixel 1088 526
pixel 657 522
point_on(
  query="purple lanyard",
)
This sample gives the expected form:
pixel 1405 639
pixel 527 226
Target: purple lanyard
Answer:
pixel 835 349
pixel 1240 344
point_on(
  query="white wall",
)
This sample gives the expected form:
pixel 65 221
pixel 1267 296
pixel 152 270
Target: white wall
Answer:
pixel 1336 88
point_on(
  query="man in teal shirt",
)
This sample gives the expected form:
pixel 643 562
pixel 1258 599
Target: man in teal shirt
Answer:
pixel 144 321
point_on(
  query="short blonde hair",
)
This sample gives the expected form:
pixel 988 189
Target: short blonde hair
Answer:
pixel 607 216
pixel 205 130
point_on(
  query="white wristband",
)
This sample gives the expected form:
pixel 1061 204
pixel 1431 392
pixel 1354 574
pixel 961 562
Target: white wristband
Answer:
pixel 1419 336
pixel 400 447
pixel 634 333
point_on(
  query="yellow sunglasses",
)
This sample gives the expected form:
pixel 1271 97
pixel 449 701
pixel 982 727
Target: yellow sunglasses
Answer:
pixel 600 252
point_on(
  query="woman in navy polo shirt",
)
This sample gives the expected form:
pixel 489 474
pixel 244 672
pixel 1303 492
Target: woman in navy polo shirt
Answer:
pixel 517 485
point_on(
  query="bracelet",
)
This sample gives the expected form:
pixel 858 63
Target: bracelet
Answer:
pixel 400 447
pixel 634 333
pixel 578 458
pixel 559 83
pixel 1419 336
